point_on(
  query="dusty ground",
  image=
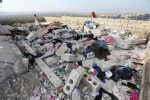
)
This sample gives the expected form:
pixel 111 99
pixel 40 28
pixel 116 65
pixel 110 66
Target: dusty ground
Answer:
pixel 18 87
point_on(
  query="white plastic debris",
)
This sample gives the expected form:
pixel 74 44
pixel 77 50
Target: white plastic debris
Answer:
pixel 108 74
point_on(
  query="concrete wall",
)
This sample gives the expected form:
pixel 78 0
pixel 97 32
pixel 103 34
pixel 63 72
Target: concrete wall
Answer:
pixel 114 23
pixel 16 19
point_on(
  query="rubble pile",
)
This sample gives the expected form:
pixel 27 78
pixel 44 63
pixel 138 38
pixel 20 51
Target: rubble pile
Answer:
pixel 82 65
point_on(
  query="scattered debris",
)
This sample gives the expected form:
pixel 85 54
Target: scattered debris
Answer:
pixel 73 65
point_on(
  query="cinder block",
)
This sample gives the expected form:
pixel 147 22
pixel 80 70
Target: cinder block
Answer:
pixel 68 57
pixel 93 81
pixel 72 82
pixel 62 50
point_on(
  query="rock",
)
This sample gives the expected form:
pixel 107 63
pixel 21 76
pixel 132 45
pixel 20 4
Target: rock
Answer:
pixel 76 95
pixel 21 65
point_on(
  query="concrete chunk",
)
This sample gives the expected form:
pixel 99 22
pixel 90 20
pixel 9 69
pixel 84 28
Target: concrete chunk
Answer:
pixel 76 95
pixel 31 36
pixel 50 61
pixel 21 65
pixel 68 57
pixel 62 50
pixel 28 48
pixel 48 72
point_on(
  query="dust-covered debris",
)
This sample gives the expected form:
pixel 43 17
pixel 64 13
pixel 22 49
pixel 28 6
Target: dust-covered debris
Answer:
pixel 89 63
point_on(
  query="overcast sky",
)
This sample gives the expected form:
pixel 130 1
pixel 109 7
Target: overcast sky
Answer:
pixel 101 6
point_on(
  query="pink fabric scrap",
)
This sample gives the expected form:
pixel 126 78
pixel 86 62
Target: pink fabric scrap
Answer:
pixel 110 40
pixel 134 96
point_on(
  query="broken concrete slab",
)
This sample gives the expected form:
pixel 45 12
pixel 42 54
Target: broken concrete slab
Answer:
pixel 31 36
pixel 6 70
pixel 28 48
pixel 51 61
pixel 21 65
pixel 48 72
